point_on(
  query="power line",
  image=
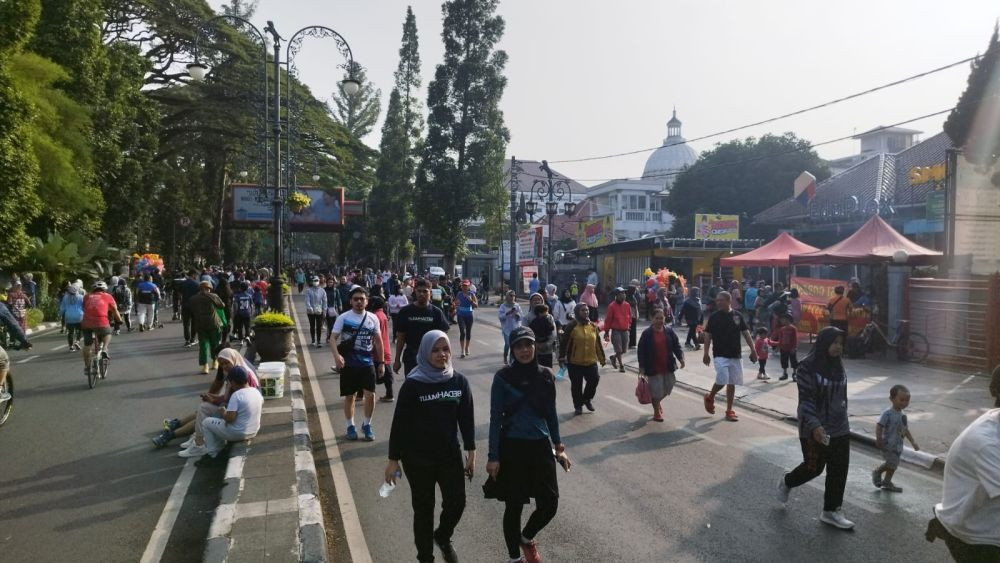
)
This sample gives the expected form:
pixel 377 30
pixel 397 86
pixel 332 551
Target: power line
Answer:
pixel 762 157
pixel 773 119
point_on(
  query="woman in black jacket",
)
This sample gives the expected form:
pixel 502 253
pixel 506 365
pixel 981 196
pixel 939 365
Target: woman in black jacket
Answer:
pixel 659 354
pixel 434 403
pixel 692 313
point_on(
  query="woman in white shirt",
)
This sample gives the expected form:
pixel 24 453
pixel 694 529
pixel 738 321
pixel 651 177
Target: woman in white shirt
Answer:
pixel 396 302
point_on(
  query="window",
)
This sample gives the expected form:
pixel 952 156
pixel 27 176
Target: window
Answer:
pixel 633 202
pixel 654 204
pixel 642 202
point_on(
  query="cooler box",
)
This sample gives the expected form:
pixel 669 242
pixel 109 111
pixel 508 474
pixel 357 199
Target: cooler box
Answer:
pixel 271 376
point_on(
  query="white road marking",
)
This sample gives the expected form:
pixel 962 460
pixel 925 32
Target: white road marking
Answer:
pixel 356 543
pixel 161 534
pixel 28 359
pixel 57 348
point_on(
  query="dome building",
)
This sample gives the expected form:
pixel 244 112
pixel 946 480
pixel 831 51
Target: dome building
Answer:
pixel 636 205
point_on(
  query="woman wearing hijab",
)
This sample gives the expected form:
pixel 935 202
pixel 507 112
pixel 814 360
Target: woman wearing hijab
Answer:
pixel 580 348
pixel 563 310
pixel 550 296
pixel 432 406
pixel 823 427
pixel 693 315
pixel 209 406
pixel 524 428
pixel 589 298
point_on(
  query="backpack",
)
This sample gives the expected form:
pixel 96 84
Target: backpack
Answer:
pixel 542 327
pixel 144 297
pixel 119 294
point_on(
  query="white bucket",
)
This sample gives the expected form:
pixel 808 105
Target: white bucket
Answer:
pixel 271 376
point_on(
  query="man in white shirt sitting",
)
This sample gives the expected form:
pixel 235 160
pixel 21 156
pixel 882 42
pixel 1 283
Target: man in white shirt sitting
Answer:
pixel 968 516
pixel 240 419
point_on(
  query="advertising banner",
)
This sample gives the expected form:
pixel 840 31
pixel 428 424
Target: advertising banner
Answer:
pixel 712 226
pixel 815 294
pixel 594 233
pixel 324 214
pixel 529 246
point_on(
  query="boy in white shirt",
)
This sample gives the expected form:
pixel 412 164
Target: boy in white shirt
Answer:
pixel 240 419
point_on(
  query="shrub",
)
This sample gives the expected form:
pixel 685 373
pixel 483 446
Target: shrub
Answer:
pixel 35 317
pixel 272 320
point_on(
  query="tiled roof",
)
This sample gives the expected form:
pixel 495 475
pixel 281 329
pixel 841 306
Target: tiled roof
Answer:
pixel 884 177
pixel 531 172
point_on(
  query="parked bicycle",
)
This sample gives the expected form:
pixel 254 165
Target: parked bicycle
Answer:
pixel 910 346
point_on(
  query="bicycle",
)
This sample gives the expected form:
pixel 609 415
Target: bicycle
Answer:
pixel 909 345
pixel 6 407
pixel 99 364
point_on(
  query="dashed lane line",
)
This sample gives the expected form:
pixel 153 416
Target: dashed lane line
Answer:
pixel 28 359
pixel 57 348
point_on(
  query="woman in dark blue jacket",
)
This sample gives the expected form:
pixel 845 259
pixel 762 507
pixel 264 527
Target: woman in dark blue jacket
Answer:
pixel 659 354
pixel 692 313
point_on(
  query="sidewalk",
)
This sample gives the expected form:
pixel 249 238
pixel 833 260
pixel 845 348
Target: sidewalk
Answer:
pixel 943 401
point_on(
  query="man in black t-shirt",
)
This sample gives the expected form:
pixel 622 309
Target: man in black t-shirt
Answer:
pixel 412 323
pixel 722 334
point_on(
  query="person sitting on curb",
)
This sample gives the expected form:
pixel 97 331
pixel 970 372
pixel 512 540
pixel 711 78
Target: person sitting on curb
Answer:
pixel 240 417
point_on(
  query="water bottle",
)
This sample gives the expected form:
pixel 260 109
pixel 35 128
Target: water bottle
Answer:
pixel 387 487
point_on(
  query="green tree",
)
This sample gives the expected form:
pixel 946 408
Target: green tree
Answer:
pixel 742 177
pixel 358 112
pixel 408 79
pixel 19 201
pixel 972 124
pixel 464 123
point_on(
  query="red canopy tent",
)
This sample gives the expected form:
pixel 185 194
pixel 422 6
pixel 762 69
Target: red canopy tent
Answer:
pixel 875 242
pixel 772 255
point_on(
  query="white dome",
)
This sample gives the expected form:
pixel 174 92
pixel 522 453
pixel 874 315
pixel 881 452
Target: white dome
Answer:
pixel 673 156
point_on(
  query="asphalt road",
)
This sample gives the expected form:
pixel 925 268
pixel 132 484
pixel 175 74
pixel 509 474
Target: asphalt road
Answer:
pixel 79 478
pixel 693 488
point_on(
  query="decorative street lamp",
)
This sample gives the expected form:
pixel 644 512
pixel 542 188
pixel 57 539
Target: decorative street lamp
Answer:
pixel 519 211
pixel 199 72
pixel 551 191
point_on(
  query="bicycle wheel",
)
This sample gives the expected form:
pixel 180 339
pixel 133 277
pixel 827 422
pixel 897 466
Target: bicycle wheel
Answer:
pixel 104 362
pixel 7 406
pixel 93 375
pixel 915 348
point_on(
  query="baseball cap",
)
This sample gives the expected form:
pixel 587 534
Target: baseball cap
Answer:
pixel 466 282
pixel 205 283
pixel 521 333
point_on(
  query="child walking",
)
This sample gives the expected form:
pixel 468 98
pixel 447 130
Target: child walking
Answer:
pixel 760 345
pixel 787 341
pixel 889 434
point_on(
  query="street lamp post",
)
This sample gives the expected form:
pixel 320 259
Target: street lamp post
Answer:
pixel 550 192
pixel 199 71
pixel 517 215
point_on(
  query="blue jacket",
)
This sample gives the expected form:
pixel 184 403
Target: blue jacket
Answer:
pixel 71 308
pixel 646 354
pixel 8 320
pixel 526 423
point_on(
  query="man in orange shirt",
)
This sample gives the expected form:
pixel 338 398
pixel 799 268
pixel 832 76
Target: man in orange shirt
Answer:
pixel 839 307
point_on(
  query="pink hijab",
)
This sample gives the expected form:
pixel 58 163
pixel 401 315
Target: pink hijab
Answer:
pixel 588 296
pixel 237 359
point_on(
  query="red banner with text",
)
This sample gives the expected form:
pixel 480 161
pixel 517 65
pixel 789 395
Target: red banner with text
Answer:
pixel 815 294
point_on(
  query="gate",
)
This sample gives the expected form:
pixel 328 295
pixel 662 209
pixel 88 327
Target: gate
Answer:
pixel 959 317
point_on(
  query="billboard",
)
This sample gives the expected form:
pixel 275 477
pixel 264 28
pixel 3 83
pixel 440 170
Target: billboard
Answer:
pixel 529 246
pixel 712 226
pixel 596 232
pixel 324 214
pixel 976 216
pixel 815 294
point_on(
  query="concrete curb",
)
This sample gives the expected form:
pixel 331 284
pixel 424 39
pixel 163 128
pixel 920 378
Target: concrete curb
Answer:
pixel 312 530
pixel 934 462
pixel 43 327
pixel 219 540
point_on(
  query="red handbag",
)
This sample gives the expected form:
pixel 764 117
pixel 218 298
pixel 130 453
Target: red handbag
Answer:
pixel 642 391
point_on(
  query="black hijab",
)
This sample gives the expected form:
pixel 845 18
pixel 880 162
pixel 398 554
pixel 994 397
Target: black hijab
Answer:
pixel 535 381
pixel 565 297
pixel 820 361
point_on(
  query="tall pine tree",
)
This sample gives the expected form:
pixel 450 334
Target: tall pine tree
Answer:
pixel 392 194
pixel 358 112
pixel 465 123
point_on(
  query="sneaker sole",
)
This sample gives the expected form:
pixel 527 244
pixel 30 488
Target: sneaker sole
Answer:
pixel 835 525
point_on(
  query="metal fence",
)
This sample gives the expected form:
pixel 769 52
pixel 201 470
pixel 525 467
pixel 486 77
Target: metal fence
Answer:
pixel 959 317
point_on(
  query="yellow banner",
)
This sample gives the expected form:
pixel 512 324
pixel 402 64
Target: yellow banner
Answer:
pixel 596 232
pixel 712 226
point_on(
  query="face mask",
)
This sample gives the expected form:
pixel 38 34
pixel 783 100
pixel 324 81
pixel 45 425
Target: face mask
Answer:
pixel 315 284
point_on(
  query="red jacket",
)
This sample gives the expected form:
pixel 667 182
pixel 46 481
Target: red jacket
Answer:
pixel 619 316
pixel 787 338
pixel 383 322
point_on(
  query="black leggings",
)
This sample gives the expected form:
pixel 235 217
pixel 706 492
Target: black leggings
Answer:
pixel 577 376
pixel 450 477
pixel 315 328
pixel 127 319
pixel 465 327
pixel 241 326
pixel 545 510
pixel 836 458
pixel 72 333
pixel 692 337
pixel 329 326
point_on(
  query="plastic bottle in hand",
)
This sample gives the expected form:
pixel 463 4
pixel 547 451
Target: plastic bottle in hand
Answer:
pixel 386 489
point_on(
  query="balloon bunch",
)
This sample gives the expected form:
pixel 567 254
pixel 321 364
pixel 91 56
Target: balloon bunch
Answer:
pixel 148 263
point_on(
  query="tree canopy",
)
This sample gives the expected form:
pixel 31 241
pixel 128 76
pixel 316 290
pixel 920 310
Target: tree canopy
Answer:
pixel 973 124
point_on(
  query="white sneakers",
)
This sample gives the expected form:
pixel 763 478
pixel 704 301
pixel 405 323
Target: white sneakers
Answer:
pixel 194 451
pixel 836 519
pixel 188 444
pixel 783 489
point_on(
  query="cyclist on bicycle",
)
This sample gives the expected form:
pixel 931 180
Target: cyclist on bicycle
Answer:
pixel 98 306
pixel 14 328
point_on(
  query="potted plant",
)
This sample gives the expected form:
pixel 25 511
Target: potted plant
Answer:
pixel 298 201
pixel 273 336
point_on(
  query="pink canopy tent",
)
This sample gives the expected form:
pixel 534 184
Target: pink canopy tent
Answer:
pixel 772 255
pixel 875 242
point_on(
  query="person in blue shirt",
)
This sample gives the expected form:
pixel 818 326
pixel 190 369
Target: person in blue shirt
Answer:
pixel 466 301
pixel 71 310
pixel 524 429
pixel 750 303
pixel 243 309
pixel 533 284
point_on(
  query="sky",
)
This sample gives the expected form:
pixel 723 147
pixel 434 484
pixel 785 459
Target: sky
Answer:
pixel 596 77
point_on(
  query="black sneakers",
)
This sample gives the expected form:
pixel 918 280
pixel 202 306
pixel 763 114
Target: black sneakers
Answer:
pixel 448 552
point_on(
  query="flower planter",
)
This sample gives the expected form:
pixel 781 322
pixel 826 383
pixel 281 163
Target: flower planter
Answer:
pixel 273 342
pixel 296 208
